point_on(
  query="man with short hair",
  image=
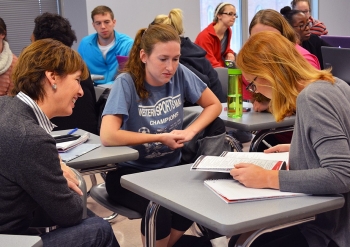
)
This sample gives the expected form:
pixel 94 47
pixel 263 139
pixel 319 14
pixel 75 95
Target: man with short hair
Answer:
pixel 99 50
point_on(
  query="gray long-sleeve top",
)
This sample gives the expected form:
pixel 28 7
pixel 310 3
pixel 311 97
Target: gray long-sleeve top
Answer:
pixel 320 157
pixel 30 173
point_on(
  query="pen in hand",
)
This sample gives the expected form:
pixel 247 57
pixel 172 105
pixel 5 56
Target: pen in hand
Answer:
pixel 267 144
pixel 72 131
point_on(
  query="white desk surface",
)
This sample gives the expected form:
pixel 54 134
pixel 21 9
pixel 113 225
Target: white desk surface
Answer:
pixel 102 155
pixel 20 241
pixel 250 121
pixel 183 191
pixel 104 85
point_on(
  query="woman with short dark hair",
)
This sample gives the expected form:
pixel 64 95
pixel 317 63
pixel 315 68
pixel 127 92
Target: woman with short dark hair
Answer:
pixel 46 85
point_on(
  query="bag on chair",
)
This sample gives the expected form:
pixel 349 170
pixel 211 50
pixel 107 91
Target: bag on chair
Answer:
pixel 210 141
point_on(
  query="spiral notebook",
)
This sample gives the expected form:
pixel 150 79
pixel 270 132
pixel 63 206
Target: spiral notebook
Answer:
pixel 65 146
pixel 231 191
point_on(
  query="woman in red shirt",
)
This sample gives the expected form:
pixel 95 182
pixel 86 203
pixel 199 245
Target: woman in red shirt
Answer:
pixel 215 38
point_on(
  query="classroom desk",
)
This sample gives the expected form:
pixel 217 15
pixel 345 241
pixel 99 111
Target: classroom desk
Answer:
pixel 20 240
pixel 104 86
pixel 97 159
pixel 252 121
pixel 183 191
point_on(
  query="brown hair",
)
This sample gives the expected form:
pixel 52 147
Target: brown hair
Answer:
pixel 174 19
pixel 3 29
pixel 220 9
pixel 294 3
pixel 101 10
pixel 270 56
pixel 272 18
pixel 145 39
pixel 44 55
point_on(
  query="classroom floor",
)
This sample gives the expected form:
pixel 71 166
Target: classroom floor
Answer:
pixel 126 231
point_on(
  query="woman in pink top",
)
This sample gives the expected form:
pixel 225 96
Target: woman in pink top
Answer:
pixel 215 39
pixel 271 20
pixel 7 62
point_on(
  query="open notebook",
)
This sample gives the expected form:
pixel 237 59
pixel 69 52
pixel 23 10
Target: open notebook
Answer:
pixel 227 160
pixel 232 191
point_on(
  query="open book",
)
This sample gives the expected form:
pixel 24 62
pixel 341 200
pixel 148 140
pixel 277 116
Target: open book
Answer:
pixel 65 146
pixel 227 161
pixel 231 191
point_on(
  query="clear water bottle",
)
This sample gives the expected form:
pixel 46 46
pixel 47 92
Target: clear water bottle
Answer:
pixel 234 94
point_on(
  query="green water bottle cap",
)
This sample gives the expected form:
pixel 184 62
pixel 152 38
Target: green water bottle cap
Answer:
pixel 234 72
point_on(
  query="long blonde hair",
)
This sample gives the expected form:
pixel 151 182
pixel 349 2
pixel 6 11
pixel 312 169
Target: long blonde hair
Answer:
pixel 270 56
pixel 174 18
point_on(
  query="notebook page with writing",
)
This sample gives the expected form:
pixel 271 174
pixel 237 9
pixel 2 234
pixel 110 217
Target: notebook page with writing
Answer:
pixel 232 191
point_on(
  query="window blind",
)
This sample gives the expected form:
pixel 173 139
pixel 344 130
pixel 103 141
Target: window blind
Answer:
pixel 19 17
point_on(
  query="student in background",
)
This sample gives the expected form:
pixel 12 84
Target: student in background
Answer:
pixel 84 115
pixel 301 24
pixel 215 39
pixel 46 85
pixel 271 20
pixel 193 56
pixel 145 110
pixel 7 61
pixel 100 50
pixel 319 154
pixel 317 27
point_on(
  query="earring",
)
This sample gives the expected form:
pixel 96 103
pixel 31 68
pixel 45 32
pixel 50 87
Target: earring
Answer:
pixel 54 87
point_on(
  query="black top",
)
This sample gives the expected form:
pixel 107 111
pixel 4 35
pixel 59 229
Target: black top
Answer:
pixel 313 45
pixel 84 112
pixel 193 57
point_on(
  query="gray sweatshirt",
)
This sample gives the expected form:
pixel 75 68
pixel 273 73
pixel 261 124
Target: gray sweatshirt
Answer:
pixel 320 157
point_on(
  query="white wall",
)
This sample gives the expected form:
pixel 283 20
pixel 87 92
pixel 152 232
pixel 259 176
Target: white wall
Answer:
pixel 131 15
pixel 75 12
pixel 335 15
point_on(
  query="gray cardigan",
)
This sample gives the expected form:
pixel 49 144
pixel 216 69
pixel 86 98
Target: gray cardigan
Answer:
pixel 320 157
pixel 30 173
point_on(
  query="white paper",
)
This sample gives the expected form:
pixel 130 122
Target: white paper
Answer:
pixel 64 146
pixel 232 191
pixel 78 151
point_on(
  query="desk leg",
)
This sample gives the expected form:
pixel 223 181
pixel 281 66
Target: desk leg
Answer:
pixel 150 221
pixel 246 239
